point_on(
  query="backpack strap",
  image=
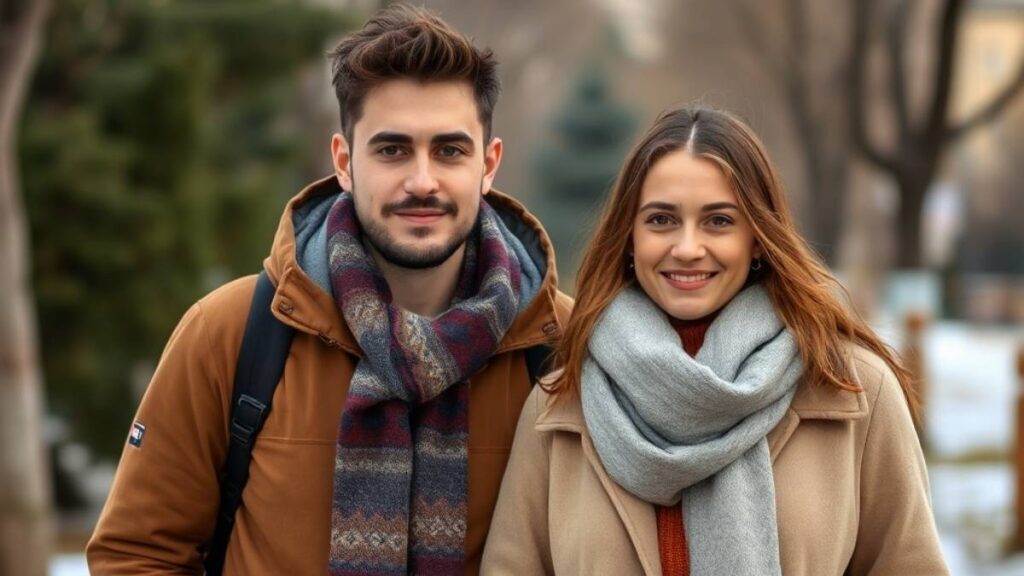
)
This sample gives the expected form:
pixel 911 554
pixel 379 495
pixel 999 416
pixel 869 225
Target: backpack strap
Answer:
pixel 261 361
pixel 538 361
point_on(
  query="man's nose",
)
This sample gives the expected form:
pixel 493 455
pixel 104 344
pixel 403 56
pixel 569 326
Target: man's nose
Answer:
pixel 421 180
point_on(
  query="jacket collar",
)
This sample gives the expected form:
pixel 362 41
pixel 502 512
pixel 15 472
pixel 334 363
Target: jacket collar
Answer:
pixel 303 305
pixel 811 402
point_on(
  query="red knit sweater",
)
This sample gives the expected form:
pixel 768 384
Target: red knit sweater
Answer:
pixel 675 557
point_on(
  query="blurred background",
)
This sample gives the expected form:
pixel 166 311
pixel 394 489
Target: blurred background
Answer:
pixel 147 148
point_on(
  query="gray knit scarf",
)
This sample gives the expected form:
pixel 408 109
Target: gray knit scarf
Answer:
pixel 671 428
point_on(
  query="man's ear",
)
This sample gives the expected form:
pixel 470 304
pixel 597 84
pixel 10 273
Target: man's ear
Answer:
pixel 341 155
pixel 492 159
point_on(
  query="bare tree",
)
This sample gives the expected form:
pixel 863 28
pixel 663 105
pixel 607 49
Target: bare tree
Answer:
pixel 24 486
pixel 921 136
pixel 809 76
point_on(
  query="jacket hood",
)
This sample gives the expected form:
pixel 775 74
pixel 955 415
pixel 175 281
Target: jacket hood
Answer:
pixel 298 266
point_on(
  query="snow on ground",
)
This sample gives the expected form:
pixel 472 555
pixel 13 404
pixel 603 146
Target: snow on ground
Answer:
pixel 970 412
pixel 68 565
pixel 972 388
pixel 973 512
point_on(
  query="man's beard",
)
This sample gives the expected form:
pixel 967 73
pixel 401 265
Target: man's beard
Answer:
pixel 411 257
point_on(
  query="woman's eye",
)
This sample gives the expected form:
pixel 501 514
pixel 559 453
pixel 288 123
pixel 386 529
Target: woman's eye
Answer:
pixel 719 221
pixel 659 220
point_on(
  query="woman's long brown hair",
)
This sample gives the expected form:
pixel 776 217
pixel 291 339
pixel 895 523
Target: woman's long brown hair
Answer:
pixel 804 292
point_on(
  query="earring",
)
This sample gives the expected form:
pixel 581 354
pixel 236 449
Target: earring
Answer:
pixel 756 265
pixel 630 265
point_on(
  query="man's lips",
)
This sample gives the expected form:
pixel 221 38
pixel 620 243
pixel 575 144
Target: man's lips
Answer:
pixel 420 216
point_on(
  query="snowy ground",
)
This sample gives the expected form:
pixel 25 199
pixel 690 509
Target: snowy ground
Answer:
pixel 68 565
pixel 973 512
pixel 971 401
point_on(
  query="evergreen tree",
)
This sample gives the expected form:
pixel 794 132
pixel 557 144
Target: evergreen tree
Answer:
pixel 575 173
pixel 155 160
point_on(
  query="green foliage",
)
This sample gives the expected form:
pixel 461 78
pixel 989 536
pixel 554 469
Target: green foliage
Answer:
pixel 156 156
pixel 591 135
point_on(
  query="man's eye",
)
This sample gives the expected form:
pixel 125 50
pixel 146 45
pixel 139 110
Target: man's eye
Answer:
pixel 389 150
pixel 449 151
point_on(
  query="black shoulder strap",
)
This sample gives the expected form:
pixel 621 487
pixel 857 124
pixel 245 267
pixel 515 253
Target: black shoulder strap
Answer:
pixel 538 361
pixel 261 362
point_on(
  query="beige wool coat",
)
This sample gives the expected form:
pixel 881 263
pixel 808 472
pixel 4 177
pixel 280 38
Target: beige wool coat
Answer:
pixel 850 480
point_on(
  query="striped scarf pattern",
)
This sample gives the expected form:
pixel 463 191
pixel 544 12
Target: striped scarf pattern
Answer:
pixel 401 469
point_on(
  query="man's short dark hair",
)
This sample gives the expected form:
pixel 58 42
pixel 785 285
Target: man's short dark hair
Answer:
pixel 406 42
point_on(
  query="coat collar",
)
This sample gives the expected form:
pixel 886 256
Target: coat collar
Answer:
pixel 811 402
pixel 302 304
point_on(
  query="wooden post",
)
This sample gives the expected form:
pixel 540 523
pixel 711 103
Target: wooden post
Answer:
pixel 1018 540
pixel 913 357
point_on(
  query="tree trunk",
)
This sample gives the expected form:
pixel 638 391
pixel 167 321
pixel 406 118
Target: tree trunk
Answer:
pixel 909 217
pixel 24 483
pixel 826 186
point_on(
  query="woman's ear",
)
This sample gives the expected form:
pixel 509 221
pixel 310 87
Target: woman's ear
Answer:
pixel 758 252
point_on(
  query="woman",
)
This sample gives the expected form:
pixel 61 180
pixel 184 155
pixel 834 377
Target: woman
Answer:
pixel 719 410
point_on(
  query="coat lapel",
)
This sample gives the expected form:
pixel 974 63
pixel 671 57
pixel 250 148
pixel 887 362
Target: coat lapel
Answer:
pixel 815 402
pixel 636 515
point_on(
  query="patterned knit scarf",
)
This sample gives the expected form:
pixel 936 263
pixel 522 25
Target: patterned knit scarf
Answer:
pixel 400 474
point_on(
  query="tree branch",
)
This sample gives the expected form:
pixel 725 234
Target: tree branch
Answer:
pixel 797 54
pixel 796 77
pixel 990 111
pixel 896 30
pixel 949 28
pixel 19 41
pixel 862 10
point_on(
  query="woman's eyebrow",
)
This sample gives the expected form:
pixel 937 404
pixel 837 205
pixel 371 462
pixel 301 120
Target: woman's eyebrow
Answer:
pixel 719 206
pixel 659 205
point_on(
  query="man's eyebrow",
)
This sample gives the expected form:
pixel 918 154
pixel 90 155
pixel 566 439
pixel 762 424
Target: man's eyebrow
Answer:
pixel 389 138
pixel 458 137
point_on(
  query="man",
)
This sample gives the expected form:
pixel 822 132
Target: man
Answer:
pixel 414 290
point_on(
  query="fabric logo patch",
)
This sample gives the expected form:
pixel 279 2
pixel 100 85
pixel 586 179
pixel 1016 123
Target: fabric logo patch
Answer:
pixel 138 430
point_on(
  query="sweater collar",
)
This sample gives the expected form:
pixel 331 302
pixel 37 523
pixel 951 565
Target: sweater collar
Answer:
pixel 692 332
